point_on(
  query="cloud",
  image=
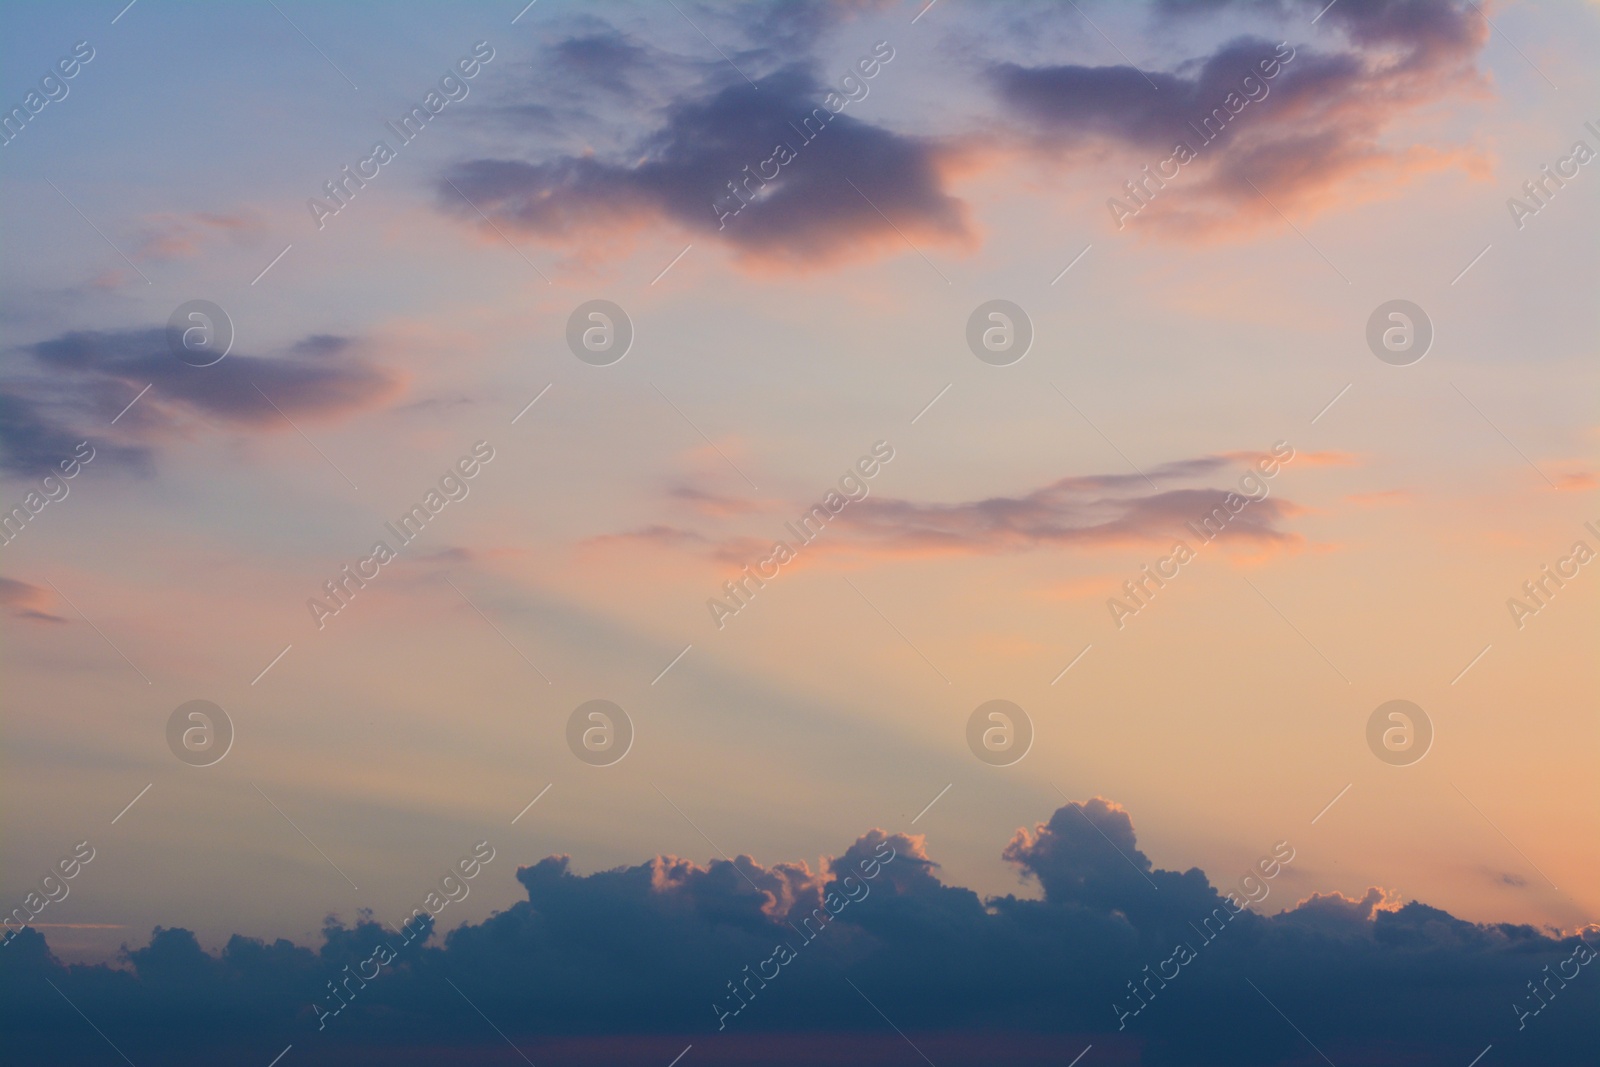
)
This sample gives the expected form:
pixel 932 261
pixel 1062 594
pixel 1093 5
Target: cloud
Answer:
pixel 26 601
pixel 1326 128
pixel 657 955
pixel 173 235
pixel 85 378
pixel 1325 458
pixel 602 59
pixel 35 438
pixel 320 380
pixel 1081 511
pixel 658 535
pixel 1577 481
pixel 1097 587
pixel 1060 514
pixel 798 25
pixel 691 173
pixel 1337 914
pixel 1319 125
pixel 1381 498
pixel 1093 510
pixel 712 505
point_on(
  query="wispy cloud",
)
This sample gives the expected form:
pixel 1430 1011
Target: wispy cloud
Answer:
pixel 30 602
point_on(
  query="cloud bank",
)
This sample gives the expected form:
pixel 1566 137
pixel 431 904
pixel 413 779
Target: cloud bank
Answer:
pixel 642 960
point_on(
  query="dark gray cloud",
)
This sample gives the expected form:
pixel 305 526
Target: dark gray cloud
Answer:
pixel 650 138
pixel 317 381
pixel 632 964
pixel 1119 103
pixel 683 173
pixel 605 59
pixel 78 382
pixel 36 435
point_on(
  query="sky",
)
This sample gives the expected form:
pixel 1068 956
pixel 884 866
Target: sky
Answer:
pixel 1321 275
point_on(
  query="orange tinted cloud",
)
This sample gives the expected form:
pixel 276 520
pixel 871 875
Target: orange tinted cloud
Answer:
pixel 1577 481
pixel 1381 498
pixel 28 602
pixel 656 535
pixel 170 235
pixel 1335 907
pixel 1095 588
pixel 1327 458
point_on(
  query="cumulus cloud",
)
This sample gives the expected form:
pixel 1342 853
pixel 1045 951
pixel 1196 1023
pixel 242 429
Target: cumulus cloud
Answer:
pixel 81 380
pixel 643 959
pixel 1335 913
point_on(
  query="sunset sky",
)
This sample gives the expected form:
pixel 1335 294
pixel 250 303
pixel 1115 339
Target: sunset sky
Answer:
pixel 590 157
